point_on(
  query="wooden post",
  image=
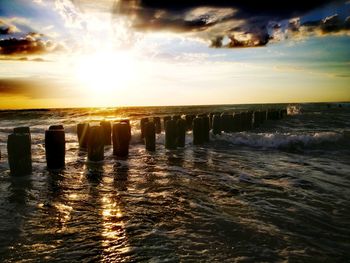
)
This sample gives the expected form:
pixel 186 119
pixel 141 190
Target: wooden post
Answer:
pixel 189 121
pixel 206 128
pixel 142 127
pixel 83 134
pixel 165 119
pixel 96 144
pixel 107 131
pixel 197 131
pixel 216 124
pixel 150 136
pixel 121 139
pixel 19 153
pixel 55 147
pixel 181 133
pixel 21 130
pixel 170 134
pixel 157 124
pixel 127 122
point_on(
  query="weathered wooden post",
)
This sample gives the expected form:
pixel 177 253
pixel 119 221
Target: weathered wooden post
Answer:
pixel 157 124
pixel 142 127
pixel 181 133
pixel 19 153
pixel 127 122
pixel 206 128
pixel 150 136
pixel 165 119
pixel 83 134
pixel 21 130
pixel 216 125
pixel 107 131
pixel 249 117
pixel 189 121
pixel 237 122
pixel 55 147
pixel 197 131
pixel 121 139
pixel 170 134
pixel 96 144
pixel 176 117
pixel 225 122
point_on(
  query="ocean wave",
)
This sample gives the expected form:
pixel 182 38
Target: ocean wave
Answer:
pixel 284 140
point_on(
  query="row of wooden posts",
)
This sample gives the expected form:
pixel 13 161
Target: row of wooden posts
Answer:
pixel 94 138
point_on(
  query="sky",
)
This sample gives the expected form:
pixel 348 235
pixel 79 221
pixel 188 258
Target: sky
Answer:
pixel 85 53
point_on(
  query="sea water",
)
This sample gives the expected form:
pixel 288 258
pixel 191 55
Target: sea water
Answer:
pixel 277 193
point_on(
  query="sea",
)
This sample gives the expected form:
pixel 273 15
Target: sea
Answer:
pixel 277 193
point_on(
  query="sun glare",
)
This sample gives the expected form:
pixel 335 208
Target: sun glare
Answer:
pixel 105 74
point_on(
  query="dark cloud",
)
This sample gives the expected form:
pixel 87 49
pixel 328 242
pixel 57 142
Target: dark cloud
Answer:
pixel 31 44
pixel 7 29
pixel 36 88
pixel 329 25
pixel 244 23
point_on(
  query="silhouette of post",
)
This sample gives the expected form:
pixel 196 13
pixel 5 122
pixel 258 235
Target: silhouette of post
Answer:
pixel 83 134
pixel 55 147
pixel 150 136
pixel 165 119
pixel 157 124
pixel 189 121
pixel 181 132
pixel 176 117
pixel 19 153
pixel 21 130
pixel 225 122
pixel 121 139
pixel 249 120
pixel 107 131
pixel 96 144
pixel 216 124
pixel 206 128
pixel 170 134
pixel 127 122
pixel 143 126
pixel 197 131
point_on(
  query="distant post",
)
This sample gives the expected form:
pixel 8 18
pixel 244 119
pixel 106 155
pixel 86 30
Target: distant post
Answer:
pixel 150 136
pixel 121 139
pixel 181 133
pixel 96 144
pixel 83 134
pixel 143 126
pixel 216 125
pixel 107 130
pixel 157 124
pixel 170 134
pixel 197 131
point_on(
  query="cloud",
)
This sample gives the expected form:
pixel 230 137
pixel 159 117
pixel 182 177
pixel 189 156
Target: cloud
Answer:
pixel 35 88
pixel 31 44
pixel 243 23
pixel 7 28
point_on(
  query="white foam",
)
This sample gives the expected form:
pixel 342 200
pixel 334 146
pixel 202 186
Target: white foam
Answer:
pixel 279 140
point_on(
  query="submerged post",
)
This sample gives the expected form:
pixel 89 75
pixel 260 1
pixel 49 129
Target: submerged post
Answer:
pixel 143 126
pixel 181 133
pixel 83 134
pixel 19 153
pixel 121 139
pixel 96 144
pixel 150 136
pixel 206 128
pixel 197 131
pixel 127 122
pixel 216 125
pixel 170 134
pixel 165 119
pixel 189 121
pixel 157 124
pixel 55 147
pixel 107 130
